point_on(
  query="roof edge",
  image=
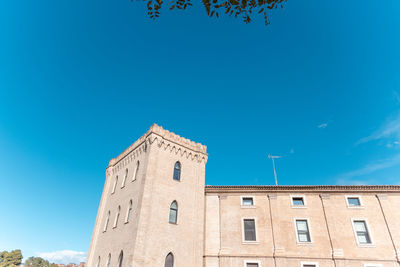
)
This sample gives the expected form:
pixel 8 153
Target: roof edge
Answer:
pixel 297 188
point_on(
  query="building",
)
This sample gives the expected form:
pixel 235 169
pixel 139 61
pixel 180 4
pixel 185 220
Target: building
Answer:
pixel 156 211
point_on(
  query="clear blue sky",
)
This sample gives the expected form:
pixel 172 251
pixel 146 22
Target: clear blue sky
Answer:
pixel 81 80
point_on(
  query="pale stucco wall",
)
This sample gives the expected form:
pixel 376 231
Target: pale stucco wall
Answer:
pixel 225 207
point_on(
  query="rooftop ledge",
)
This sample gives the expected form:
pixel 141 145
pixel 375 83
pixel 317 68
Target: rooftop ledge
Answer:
pixel 164 134
pixel 301 188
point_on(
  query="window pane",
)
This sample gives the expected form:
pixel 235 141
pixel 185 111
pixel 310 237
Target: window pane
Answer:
pixel 302 225
pixel 309 265
pixel 251 264
pixel 169 260
pixel 172 216
pixel 363 238
pixel 173 205
pixel 177 171
pixel 353 201
pixel 249 230
pixel 248 201
pixel 298 201
pixel 360 226
pixel 303 237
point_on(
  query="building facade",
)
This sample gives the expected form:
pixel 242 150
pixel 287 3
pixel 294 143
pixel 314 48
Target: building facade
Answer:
pixel 155 210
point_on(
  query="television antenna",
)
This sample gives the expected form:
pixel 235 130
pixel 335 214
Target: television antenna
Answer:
pixel 273 165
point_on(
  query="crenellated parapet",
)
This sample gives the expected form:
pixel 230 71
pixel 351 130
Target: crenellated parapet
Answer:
pixel 164 139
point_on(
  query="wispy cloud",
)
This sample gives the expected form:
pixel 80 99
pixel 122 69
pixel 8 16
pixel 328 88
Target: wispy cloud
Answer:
pixel 323 125
pixel 63 256
pixel 391 130
pixel 352 177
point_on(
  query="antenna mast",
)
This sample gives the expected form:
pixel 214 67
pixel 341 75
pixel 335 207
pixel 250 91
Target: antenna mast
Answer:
pixel 273 164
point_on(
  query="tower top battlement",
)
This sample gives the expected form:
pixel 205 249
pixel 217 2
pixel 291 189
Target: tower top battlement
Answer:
pixel 164 134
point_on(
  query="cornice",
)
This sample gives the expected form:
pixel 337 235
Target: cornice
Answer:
pixel 300 188
pixel 165 139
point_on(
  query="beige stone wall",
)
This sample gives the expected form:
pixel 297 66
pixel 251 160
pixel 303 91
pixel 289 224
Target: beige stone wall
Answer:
pixel 277 244
pixel 158 236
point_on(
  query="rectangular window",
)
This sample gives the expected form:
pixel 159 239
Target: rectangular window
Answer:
pixel 298 201
pixel 247 201
pixel 249 229
pixel 252 264
pixel 309 264
pixel 303 234
pixel 353 201
pixel 361 230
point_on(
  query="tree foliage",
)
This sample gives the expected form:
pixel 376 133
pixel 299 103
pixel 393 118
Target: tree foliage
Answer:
pixel 38 262
pixel 10 259
pixel 244 9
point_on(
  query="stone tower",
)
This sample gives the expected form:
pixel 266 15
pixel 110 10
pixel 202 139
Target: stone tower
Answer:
pixel 152 206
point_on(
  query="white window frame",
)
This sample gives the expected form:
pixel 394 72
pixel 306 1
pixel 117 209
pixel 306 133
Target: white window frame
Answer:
pixel 244 241
pixel 372 265
pixel 251 261
pixel 309 263
pixel 354 207
pixel 297 206
pixel 309 231
pixel 247 206
pixel 369 230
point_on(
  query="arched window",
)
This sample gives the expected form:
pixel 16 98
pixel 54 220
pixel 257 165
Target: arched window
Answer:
pixel 98 262
pixel 120 259
pixel 115 184
pixel 106 223
pixel 128 215
pixel 136 171
pixel 177 171
pixel 117 216
pixel 123 180
pixel 173 212
pixel 169 260
pixel 109 260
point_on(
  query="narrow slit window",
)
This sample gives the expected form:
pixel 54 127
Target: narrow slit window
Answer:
pixel 303 233
pixel 252 264
pixel 115 184
pixel 117 216
pixel 177 171
pixel 98 262
pixel 249 226
pixel 124 180
pixel 106 222
pixel 109 260
pixel 120 259
pixel 169 260
pixel 136 171
pixel 173 212
pixel 129 214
